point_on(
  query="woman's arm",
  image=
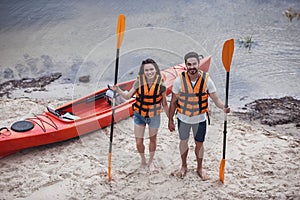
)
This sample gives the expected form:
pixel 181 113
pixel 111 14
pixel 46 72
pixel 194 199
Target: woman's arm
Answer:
pixel 126 95
pixel 165 104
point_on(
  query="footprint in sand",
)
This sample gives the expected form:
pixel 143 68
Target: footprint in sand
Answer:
pixel 157 179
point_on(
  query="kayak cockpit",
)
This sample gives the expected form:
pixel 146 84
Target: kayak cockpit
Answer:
pixel 89 106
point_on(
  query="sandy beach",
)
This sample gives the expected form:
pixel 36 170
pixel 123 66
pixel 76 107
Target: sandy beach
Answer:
pixel 262 163
pixel 75 39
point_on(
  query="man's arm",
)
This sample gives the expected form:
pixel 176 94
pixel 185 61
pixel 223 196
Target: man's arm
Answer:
pixel 218 102
pixel 172 109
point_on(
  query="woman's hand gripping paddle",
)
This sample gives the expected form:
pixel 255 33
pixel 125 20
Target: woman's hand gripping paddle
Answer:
pixel 227 53
pixel 120 35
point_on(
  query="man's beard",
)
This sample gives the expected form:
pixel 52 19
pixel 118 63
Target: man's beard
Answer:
pixel 192 71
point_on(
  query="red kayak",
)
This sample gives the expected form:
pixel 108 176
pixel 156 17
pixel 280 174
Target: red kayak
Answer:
pixel 75 118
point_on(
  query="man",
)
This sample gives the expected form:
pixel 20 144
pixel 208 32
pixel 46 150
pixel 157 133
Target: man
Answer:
pixel 190 97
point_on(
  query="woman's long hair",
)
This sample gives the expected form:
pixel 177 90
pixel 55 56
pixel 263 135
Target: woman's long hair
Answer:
pixel 149 61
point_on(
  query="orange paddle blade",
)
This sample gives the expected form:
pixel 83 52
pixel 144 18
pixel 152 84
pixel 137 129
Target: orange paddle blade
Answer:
pixel 227 53
pixel 109 167
pixel 120 30
pixel 222 170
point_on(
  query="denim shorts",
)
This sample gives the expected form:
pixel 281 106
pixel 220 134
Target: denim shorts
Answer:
pixel 153 122
pixel 199 130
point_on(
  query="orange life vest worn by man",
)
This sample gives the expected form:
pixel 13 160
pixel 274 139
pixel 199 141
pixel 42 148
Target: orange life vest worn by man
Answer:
pixel 190 93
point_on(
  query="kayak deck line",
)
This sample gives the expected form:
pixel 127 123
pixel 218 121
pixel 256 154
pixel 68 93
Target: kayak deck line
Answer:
pixel 39 118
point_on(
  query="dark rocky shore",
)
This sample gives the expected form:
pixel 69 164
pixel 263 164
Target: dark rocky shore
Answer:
pixel 37 84
pixel 285 110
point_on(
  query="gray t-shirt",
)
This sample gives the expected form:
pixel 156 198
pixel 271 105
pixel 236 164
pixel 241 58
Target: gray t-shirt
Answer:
pixel 210 88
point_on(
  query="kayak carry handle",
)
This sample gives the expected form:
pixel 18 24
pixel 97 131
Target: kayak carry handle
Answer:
pixel 7 130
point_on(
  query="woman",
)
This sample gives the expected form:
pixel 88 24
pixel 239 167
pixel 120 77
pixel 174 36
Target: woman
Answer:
pixel 150 92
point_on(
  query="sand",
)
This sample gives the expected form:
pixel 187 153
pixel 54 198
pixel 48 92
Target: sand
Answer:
pixel 77 39
pixel 262 162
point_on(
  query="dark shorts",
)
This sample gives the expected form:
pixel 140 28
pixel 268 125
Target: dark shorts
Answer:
pixel 153 122
pixel 199 130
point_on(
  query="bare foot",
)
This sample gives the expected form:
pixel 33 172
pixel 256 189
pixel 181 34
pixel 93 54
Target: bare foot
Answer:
pixel 142 168
pixel 202 175
pixel 143 161
pixel 180 173
pixel 153 168
pixel 143 165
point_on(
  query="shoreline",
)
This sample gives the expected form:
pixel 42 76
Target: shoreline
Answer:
pixel 269 111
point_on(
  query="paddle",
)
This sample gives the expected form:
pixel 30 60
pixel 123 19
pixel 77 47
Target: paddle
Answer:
pixel 120 35
pixel 227 53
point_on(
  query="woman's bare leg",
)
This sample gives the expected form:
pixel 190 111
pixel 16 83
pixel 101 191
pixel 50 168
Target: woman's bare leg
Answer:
pixel 152 147
pixel 139 139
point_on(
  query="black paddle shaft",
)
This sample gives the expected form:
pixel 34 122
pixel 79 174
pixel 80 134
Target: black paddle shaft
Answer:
pixel 113 106
pixel 117 66
pixel 225 121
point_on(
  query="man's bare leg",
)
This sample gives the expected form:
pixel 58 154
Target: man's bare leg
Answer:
pixel 199 152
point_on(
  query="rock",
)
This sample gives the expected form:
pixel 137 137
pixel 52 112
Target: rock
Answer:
pixel 39 83
pixel 32 63
pixel 22 70
pixel 84 79
pixel 8 73
pixel 149 25
pixel 47 61
pixel 27 91
pixel 272 112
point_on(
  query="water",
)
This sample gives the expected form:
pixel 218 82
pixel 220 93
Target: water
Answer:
pixel 77 38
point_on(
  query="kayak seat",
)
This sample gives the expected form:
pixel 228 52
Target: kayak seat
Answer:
pixel 53 111
pixel 65 116
pixel 22 126
pixel 69 116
